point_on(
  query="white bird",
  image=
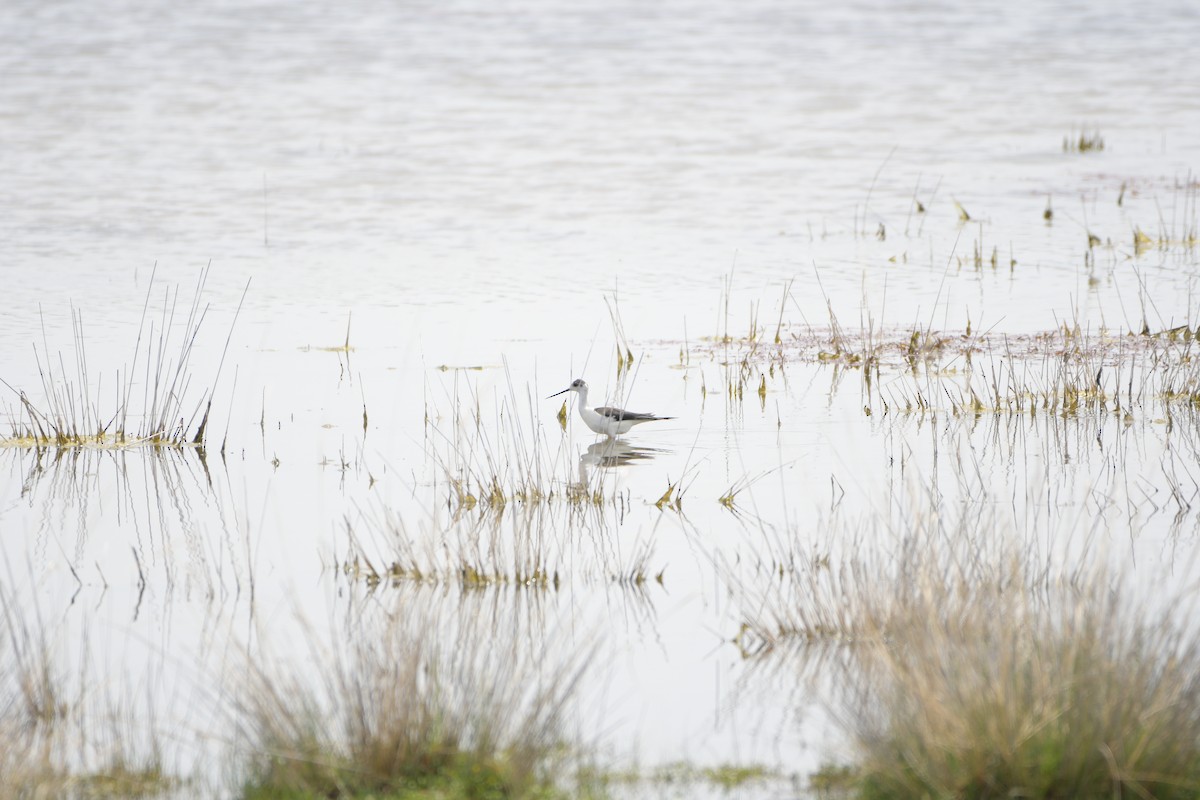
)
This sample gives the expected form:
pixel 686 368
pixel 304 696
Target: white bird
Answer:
pixel 612 422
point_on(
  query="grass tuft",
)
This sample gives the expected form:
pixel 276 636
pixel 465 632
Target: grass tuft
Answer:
pixel 1088 696
pixel 403 714
pixel 1084 143
pixel 982 669
pixel 70 414
pixel 58 737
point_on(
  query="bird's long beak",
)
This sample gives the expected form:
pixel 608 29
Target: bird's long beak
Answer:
pixel 556 394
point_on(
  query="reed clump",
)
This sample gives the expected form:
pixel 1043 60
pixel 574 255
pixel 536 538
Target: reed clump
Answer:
pixel 1091 695
pixel 982 664
pixel 404 712
pixel 56 740
pixel 986 665
pixel 73 411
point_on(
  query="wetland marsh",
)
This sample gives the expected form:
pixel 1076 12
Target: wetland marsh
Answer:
pixel 285 510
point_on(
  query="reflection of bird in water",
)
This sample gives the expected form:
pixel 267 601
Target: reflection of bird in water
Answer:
pixel 610 453
pixel 612 422
pixel 615 453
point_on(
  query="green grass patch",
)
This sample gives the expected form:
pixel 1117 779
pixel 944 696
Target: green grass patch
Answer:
pixel 123 780
pixel 834 780
pixel 443 776
pixel 731 776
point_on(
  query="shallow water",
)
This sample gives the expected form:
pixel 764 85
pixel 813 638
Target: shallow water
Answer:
pixel 465 185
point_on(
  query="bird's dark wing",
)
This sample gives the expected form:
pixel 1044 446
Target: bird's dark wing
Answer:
pixel 620 413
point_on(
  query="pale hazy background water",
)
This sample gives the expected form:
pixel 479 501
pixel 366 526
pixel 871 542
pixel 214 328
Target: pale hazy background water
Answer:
pixel 470 180
pixel 539 154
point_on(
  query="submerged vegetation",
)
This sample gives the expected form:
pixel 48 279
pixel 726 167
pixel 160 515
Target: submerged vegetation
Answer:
pixel 1066 371
pixel 1085 142
pixel 529 546
pixel 681 779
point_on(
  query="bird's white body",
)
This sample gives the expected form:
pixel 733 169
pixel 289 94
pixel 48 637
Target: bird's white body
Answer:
pixel 611 422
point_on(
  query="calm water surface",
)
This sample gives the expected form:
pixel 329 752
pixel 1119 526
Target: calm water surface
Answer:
pixel 474 185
